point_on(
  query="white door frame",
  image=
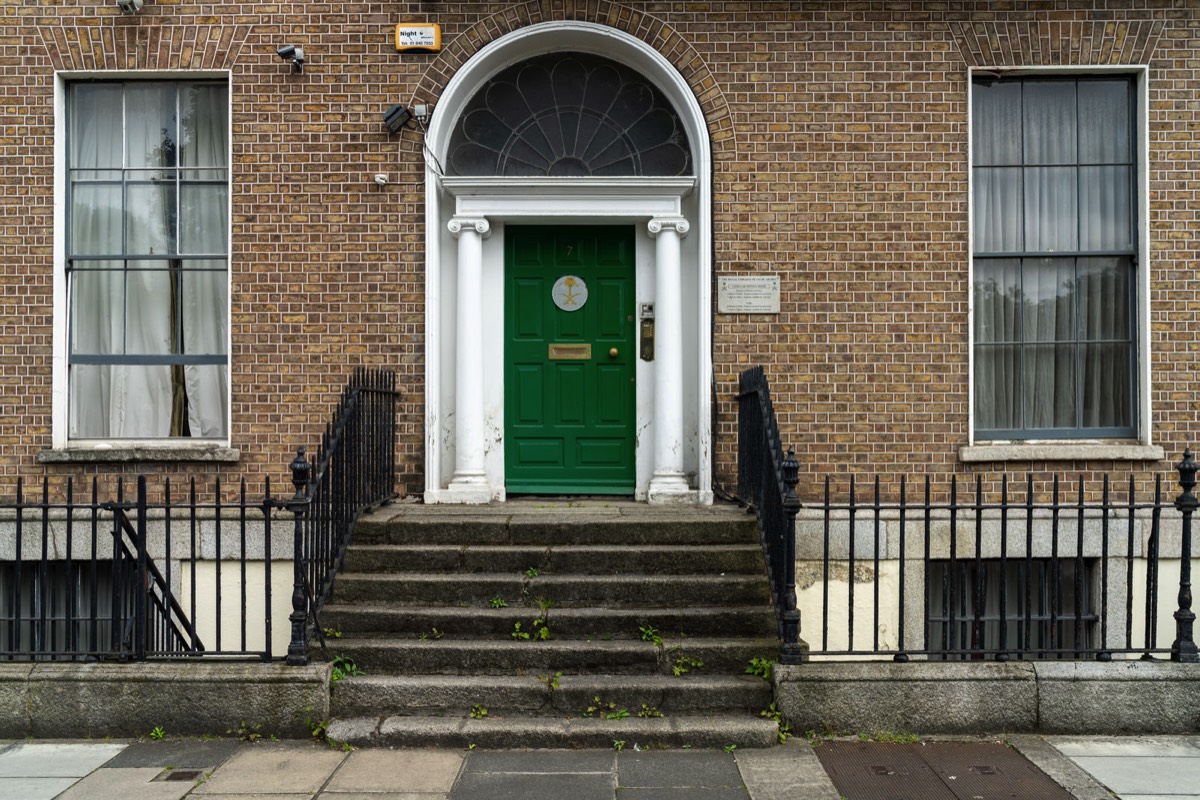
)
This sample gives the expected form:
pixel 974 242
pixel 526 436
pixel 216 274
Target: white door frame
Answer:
pixel 672 218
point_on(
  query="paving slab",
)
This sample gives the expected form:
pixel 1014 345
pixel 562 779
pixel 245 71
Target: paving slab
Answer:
pixel 55 759
pixel 534 786
pixel 1060 769
pixel 1125 746
pixel 678 769
pixel 34 788
pixel 125 783
pixel 299 769
pixel 1144 774
pixel 182 754
pixel 784 773
pixel 690 793
pixel 542 761
pixel 413 771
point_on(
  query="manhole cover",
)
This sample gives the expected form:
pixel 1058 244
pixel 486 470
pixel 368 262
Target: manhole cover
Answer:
pixel 934 771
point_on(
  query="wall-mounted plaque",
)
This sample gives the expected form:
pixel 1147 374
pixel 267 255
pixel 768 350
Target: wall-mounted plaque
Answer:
pixel 748 294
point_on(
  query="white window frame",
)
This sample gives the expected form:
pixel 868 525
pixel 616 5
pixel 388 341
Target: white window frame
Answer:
pixel 121 448
pixel 1142 448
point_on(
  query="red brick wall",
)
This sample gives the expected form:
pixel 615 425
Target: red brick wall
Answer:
pixel 839 146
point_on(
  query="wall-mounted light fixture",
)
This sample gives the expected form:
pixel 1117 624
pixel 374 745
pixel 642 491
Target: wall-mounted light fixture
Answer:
pixel 130 6
pixel 396 117
pixel 294 54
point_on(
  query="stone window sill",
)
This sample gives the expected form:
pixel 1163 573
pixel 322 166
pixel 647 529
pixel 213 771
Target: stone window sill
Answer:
pixel 126 454
pixel 1059 451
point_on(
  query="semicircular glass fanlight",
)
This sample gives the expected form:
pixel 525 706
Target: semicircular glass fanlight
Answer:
pixel 569 114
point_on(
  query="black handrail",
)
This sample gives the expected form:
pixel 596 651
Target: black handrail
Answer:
pixel 767 481
pixel 353 472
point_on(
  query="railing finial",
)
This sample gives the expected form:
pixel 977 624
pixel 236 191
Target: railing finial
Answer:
pixel 301 470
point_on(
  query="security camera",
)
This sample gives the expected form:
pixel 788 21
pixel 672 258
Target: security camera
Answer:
pixel 381 179
pixel 294 54
pixel 130 6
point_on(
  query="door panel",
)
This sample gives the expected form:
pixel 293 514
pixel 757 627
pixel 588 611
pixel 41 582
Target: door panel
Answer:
pixel 569 389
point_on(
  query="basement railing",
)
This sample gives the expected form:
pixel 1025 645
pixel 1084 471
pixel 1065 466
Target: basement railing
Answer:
pixel 168 574
pixel 1036 568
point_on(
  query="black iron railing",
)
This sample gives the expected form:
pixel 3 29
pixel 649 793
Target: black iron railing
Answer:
pixel 1000 576
pixel 964 572
pixel 767 481
pixel 166 574
pixel 354 470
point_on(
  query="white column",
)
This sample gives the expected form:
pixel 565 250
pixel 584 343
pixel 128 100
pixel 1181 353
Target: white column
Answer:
pixel 469 484
pixel 668 483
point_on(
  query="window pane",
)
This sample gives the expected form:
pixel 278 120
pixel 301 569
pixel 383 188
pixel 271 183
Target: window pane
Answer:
pixel 1049 119
pixel 120 401
pixel 1105 214
pixel 205 307
pixel 205 125
pixel 203 221
pixel 150 220
pixel 997 299
pixel 996 123
pixel 207 387
pixel 1104 122
pixel 1104 286
pixel 1048 286
pixel 149 308
pixel 150 125
pixel 1051 209
pixel 95 220
pixel 997 381
pixel 96 126
pixel 1107 396
pixel 998 214
pixel 1049 386
pixel 95 292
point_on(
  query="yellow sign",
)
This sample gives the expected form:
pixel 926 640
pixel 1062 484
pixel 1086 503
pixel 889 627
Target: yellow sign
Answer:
pixel 425 36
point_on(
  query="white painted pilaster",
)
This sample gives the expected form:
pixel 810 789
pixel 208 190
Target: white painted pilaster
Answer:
pixel 469 484
pixel 668 484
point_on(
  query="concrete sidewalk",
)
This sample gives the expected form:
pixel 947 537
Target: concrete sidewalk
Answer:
pixel 1134 768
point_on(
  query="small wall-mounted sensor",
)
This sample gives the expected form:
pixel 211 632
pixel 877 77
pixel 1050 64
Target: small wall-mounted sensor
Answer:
pixel 421 112
pixel 381 179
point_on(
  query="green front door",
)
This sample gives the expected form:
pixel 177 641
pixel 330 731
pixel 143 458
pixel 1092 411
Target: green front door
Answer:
pixel 569 359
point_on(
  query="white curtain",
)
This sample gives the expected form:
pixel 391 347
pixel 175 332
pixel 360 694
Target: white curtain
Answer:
pixel 1052 333
pixel 125 202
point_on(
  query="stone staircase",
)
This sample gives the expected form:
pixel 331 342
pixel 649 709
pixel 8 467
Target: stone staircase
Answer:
pixel 628 595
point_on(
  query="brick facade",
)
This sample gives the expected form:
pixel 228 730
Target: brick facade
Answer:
pixel 839 145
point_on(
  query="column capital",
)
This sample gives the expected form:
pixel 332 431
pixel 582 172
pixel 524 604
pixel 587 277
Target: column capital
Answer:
pixel 478 224
pixel 660 224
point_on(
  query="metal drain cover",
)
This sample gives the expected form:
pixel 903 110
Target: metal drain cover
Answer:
pixel 934 771
pixel 181 775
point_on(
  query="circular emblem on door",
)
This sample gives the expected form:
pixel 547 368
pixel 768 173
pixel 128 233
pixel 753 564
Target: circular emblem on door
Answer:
pixel 569 292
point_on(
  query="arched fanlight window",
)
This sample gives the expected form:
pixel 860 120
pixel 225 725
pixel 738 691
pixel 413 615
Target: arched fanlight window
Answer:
pixel 569 115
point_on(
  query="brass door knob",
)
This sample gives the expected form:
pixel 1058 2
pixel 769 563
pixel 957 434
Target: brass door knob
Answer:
pixel 612 353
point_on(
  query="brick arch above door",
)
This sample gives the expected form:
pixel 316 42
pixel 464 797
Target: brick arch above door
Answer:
pixel 655 33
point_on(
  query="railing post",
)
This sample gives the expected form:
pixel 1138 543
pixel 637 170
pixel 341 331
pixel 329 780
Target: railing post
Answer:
pixel 792 652
pixel 141 585
pixel 297 654
pixel 1184 647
